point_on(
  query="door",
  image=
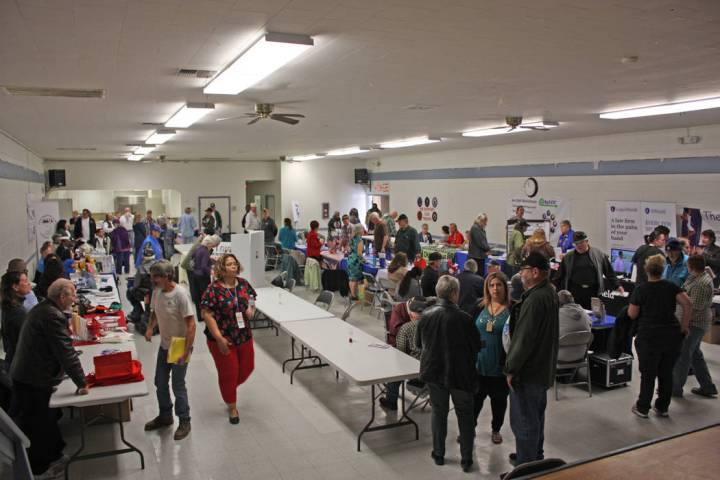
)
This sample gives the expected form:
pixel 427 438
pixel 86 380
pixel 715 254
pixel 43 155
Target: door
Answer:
pixel 222 205
pixel 270 205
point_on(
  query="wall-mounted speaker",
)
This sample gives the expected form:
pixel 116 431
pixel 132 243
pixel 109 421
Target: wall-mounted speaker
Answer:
pixel 362 176
pixel 56 178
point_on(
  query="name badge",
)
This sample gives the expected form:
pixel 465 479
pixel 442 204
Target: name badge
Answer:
pixel 239 320
pixel 489 327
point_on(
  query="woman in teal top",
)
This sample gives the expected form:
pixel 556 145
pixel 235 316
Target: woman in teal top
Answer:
pixel 287 235
pixel 354 264
pixel 491 380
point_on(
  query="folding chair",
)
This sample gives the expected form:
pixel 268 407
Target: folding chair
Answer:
pixel 272 257
pixel 574 339
pixel 326 297
pixel 290 284
pixel 373 287
pixel 388 285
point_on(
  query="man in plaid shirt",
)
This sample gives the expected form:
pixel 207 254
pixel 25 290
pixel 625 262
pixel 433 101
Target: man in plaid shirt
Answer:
pixel 699 287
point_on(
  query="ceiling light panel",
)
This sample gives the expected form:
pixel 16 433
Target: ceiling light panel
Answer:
pixel 269 53
pixel 144 150
pixel 347 151
pixel 665 109
pixel 410 142
pixel 160 136
pixel 488 132
pixel 302 158
pixel 189 114
pixel 135 158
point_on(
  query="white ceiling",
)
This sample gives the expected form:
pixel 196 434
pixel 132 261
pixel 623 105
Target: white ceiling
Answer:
pixel 474 61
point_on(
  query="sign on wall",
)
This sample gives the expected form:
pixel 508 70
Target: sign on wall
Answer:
pixel 381 188
pixel 628 222
pixel 692 221
pixel 427 209
pixel 295 211
pixel 551 210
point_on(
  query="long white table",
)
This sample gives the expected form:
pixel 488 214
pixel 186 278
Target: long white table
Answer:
pixel 360 357
pixel 65 396
pixel 282 306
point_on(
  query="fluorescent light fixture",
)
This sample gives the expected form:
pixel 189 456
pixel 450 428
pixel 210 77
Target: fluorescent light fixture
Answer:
pixel 160 136
pixel 269 53
pixel 189 114
pixel 347 151
pixel 135 157
pixel 144 150
pixel 666 109
pixel 488 132
pixel 302 158
pixel 410 142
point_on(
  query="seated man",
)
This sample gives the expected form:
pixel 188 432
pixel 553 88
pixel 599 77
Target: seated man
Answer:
pixel 431 275
pixel 494 266
pixel 471 286
pixel 573 318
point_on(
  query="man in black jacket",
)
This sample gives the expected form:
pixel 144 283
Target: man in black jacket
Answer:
pixel 44 354
pixel 431 275
pixel 478 246
pixel 471 286
pixel 450 343
pixel 655 246
pixel 532 357
pixel 85 227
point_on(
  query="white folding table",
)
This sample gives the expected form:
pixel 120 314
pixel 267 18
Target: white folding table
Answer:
pixel 65 396
pixel 361 358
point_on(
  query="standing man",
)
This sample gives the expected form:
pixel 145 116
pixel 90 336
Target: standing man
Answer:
pixel 515 244
pixel 208 222
pixel 711 253
pixel 43 356
pixel 389 221
pixel 218 219
pixel 532 357
pixel 148 222
pixel 519 215
pixel 699 288
pixel 406 239
pixel 251 219
pixel 121 246
pixel 173 313
pixel 655 246
pixel 565 242
pixel 269 227
pixel 478 246
pixel 85 227
pixel 381 240
pixel 471 286
pixel 584 271
pixel 126 221
pixel 244 219
pixel 187 226
pixel 676 269
pixel 150 246
pixel 450 343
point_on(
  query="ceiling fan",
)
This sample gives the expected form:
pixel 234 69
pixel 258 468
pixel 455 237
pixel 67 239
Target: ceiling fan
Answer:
pixel 515 123
pixel 264 110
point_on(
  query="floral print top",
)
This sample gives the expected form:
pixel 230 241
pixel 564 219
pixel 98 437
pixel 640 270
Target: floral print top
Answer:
pixel 223 302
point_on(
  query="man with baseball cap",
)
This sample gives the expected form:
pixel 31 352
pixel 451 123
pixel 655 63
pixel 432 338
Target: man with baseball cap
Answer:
pixel 676 270
pixel 532 357
pixel 150 245
pixel 585 270
pixel 430 275
pixel 407 239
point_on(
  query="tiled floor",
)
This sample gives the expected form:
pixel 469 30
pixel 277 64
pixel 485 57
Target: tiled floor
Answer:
pixel 308 430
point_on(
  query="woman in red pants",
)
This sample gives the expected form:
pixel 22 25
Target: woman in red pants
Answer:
pixel 226 306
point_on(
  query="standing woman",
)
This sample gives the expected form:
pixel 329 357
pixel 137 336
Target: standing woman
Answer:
pixel 313 242
pixel 14 287
pixel 138 235
pixel 355 270
pixel 491 359
pixel 659 336
pixel 226 307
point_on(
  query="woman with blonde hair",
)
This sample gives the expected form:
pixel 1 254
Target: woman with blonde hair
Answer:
pixel 659 335
pixel 490 322
pixel 226 306
pixel 538 243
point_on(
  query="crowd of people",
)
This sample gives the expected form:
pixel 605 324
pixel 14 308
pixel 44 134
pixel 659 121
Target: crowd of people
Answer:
pixel 482 333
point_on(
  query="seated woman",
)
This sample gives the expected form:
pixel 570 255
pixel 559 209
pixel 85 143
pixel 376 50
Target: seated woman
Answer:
pixel 425 235
pixel 409 286
pixel 397 269
pixel 314 244
pixel 538 243
pixel 445 233
pixel 287 235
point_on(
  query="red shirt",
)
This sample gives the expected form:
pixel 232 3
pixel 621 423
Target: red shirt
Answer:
pixel 456 238
pixel 313 244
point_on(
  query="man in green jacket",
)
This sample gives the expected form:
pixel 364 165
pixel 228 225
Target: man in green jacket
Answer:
pixel 406 239
pixel 532 357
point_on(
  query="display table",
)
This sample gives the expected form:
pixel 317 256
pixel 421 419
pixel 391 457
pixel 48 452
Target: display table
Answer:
pixel 448 253
pixel 95 296
pixel 115 395
pixel 461 257
pixel 360 357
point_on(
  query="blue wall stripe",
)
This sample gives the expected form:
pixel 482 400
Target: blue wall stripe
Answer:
pixel 651 166
pixel 11 171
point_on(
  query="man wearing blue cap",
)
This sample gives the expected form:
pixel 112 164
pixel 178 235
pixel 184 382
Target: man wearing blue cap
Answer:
pixel 150 245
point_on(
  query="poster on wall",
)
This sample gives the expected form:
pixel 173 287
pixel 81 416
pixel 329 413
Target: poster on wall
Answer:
pixel 427 209
pixel 295 211
pixel 47 214
pixel 30 201
pixel 381 188
pixel 550 210
pixel 629 222
pixel 711 220
pixel 692 221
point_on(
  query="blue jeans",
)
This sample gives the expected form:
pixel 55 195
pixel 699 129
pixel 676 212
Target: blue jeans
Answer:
pixel 122 259
pixel 690 354
pixel 527 420
pixel 392 392
pixel 163 373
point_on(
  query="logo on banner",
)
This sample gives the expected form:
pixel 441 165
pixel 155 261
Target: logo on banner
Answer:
pixel 549 203
pixel 426 212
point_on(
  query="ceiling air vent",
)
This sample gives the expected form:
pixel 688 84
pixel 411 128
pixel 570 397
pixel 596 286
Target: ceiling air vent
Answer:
pixel 77 149
pixel 54 92
pixel 195 73
pixel 152 124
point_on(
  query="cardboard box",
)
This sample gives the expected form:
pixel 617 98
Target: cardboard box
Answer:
pixel 713 335
pixel 110 410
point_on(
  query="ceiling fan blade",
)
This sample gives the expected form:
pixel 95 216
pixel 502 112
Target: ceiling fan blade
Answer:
pixel 291 115
pixel 248 114
pixel 534 127
pixel 284 119
pixel 255 120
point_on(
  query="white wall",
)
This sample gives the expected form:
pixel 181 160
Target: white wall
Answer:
pixel 14 241
pixel 323 180
pixel 100 202
pixel 191 179
pixel 460 200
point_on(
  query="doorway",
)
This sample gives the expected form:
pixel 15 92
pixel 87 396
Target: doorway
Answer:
pixel 382 201
pixel 222 205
